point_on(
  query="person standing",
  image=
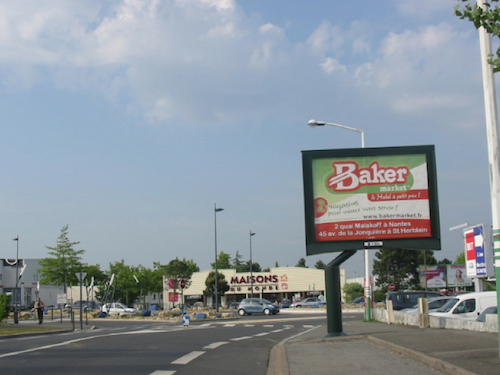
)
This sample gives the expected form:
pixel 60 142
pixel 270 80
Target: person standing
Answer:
pixel 39 307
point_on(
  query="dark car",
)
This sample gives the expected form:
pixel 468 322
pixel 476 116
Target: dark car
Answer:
pixel 488 310
pixel 403 300
pixel 285 304
pixel 249 306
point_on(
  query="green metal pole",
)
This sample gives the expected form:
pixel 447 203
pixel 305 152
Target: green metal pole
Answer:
pixel 333 294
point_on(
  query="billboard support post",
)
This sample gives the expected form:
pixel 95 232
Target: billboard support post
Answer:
pixel 333 293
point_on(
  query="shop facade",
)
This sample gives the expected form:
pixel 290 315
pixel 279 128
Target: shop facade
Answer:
pixel 278 284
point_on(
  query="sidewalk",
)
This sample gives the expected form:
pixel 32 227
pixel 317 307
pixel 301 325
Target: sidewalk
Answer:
pixel 379 348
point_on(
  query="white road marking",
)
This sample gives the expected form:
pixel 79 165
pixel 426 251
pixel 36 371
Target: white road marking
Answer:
pixel 249 325
pixel 262 334
pixel 215 345
pixel 187 358
pixel 268 325
pixel 158 372
pixel 229 325
pixel 241 338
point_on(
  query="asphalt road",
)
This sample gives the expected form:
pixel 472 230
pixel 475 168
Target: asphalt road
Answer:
pixel 139 347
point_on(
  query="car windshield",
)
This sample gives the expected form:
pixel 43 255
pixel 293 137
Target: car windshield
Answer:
pixel 448 305
pixel 266 301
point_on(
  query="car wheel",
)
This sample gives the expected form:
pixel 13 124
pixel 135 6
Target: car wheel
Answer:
pixel 267 311
pixel 241 312
pixel 298 306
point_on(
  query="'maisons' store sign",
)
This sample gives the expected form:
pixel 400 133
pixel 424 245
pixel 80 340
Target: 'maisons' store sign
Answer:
pixel 260 282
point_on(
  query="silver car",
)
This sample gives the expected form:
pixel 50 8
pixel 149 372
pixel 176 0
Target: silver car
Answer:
pixel 250 306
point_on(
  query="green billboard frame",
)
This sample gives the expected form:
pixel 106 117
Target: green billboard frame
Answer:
pixel 377 156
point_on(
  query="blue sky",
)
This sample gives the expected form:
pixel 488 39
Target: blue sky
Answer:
pixel 128 119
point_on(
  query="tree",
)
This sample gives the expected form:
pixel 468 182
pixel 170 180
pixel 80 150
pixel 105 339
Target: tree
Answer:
pixel 460 258
pixel 125 287
pixel 487 17
pixel 222 285
pixel 60 269
pixel 223 261
pixel 238 265
pixel 320 265
pixel 426 257
pixel 4 306
pixel 353 290
pixel 398 267
pixel 301 263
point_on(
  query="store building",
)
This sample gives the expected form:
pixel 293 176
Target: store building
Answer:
pixel 278 284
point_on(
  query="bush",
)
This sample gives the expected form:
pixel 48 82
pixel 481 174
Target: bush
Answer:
pixel 4 306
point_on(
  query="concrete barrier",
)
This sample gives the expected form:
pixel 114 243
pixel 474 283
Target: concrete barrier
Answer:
pixel 398 317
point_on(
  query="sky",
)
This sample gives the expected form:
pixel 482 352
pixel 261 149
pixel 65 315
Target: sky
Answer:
pixel 130 120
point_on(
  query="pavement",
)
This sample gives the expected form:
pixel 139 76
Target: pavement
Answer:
pixel 368 348
pixel 381 348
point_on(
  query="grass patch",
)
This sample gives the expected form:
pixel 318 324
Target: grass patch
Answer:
pixel 10 329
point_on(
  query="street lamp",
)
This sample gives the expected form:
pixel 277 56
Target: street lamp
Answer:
pixel 314 123
pixel 251 274
pixel 16 313
pixel 216 209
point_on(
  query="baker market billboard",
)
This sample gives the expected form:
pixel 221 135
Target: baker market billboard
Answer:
pixel 371 198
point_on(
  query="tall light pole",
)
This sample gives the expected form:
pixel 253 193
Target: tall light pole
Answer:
pixel 490 107
pixel 216 209
pixel 16 313
pixel 251 263
pixel 368 312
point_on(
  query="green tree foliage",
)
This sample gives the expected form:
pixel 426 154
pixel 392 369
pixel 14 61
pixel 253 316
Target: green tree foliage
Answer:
pixel 426 257
pixel 222 285
pixel 125 287
pixel 398 267
pixel 65 261
pixel 301 263
pixel 488 17
pixel 320 265
pixel 460 258
pixel 4 306
pixel 353 290
pixel 223 261
pixel 238 264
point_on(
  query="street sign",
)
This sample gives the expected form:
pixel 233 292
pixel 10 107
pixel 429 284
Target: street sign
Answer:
pixel 392 287
pixel 183 284
pixel 80 276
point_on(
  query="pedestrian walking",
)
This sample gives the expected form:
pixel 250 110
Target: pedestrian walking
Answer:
pixel 39 307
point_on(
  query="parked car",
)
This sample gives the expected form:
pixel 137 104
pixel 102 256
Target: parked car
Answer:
pixel 249 306
pixel 233 305
pixel 402 300
pixel 117 308
pixel 285 304
pixel 198 304
pixel 309 301
pixel 93 305
pixel 434 304
pixel 467 306
pixel 488 310
pixel 357 301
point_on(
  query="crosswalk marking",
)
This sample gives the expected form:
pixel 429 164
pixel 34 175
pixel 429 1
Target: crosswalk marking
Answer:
pixel 187 358
pixel 215 345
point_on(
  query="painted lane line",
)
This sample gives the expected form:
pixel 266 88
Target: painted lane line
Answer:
pixel 215 345
pixel 187 358
pixel 249 325
pixel 158 372
pixel 229 325
pixel 241 338
pixel 268 325
pixel 278 330
pixel 262 334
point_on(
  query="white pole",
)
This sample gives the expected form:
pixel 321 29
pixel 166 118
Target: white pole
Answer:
pixel 492 136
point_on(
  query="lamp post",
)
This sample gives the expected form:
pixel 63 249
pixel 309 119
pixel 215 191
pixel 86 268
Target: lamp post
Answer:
pixel 251 264
pixel 216 209
pixel 16 313
pixel 368 314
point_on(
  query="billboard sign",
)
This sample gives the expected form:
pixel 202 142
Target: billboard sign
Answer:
pixel 371 198
pixel 433 276
pixel 456 275
pixel 478 251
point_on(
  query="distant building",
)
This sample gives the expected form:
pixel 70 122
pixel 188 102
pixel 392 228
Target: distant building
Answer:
pixel 28 287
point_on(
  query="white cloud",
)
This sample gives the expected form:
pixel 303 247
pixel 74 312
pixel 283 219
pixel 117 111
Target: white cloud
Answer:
pixel 331 65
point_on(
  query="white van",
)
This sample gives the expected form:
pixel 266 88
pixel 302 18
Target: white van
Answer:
pixel 467 306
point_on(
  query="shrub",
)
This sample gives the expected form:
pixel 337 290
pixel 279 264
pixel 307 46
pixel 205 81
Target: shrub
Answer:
pixel 4 306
